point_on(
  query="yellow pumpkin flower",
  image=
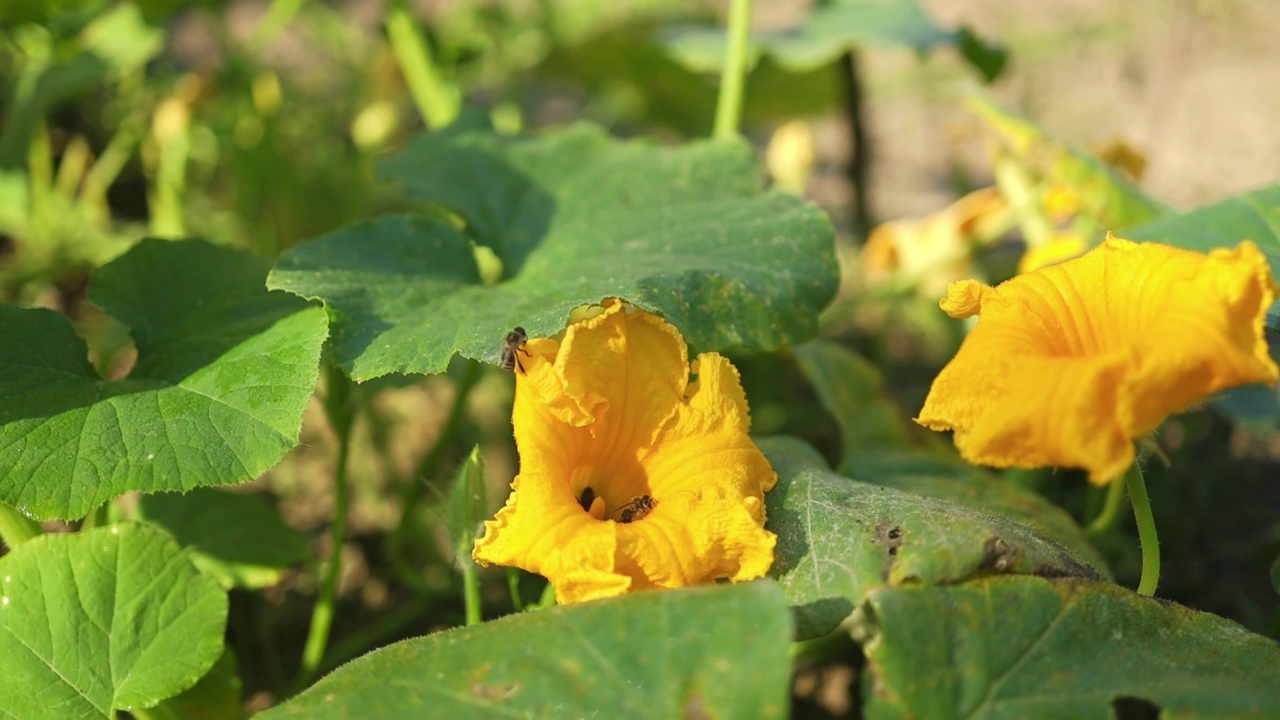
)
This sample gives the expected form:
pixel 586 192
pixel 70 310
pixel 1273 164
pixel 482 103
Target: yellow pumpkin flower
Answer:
pixel 636 469
pixel 1069 364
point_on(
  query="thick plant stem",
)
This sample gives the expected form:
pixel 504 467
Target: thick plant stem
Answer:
pixel 733 76
pixel 338 407
pixel 1146 531
pixel 860 162
pixel 1110 510
pixel 16 528
pixel 438 100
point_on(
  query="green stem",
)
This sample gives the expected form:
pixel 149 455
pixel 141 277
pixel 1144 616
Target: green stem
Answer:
pixel 860 163
pixel 16 528
pixel 438 100
pixel 338 407
pixel 279 14
pixel 411 490
pixel 1110 510
pixel 172 133
pixel 111 162
pixel 733 76
pixel 471 590
pixel 513 584
pixel 1146 531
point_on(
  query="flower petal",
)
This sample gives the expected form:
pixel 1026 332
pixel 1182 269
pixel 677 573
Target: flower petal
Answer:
pixel 1070 363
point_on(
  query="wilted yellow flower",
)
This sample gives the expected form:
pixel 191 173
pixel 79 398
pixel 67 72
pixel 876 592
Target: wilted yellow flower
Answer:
pixel 936 249
pixel 636 469
pixel 1069 364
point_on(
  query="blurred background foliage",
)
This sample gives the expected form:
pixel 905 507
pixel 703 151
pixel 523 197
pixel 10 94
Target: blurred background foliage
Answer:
pixel 993 134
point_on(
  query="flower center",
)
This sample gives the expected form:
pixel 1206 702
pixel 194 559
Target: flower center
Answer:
pixel 611 497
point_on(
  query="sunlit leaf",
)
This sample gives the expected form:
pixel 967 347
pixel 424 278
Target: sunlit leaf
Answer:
pixel 574 217
pixel 224 371
pixel 1021 647
pixel 838 539
pixel 667 654
pixel 104 620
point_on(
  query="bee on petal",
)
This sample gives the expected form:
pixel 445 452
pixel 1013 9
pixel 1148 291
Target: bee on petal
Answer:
pixel 638 509
pixel 512 346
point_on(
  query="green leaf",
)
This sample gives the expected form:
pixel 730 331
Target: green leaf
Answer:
pixel 218 695
pixel 986 57
pixel 224 371
pixel 236 538
pixel 1020 647
pixel 838 539
pixel 665 654
pixel 964 484
pixel 103 620
pixel 574 217
pixel 851 388
pixel 830 30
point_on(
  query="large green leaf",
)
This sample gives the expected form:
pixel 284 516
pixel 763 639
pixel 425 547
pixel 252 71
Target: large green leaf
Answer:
pixel 948 478
pixel 827 32
pixel 877 449
pixel 574 217
pixel 705 652
pixel 1025 647
pixel 224 371
pixel 103 620
pixel 237 538
pixel 838 539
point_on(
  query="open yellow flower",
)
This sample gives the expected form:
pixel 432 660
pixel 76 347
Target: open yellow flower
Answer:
pixel 1069 364
pixel 607 418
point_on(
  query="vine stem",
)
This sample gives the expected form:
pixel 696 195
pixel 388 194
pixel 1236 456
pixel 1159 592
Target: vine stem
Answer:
pixel 338 407
pixel 16 528
pixel 734 74
pixel 1146 531
pixel 471 591
pixel 437 100
pixel 1110 509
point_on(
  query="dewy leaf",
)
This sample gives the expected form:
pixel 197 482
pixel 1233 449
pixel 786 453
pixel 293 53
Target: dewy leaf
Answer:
pixel 704 652
pixel 237 538
pixel 830 30
pixel 103 620
pixel 1022 647
pixel 574 217
pixel 838 539
pixel 224 371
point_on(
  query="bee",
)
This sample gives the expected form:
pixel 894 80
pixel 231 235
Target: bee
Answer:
pixel 512 346
pixel 637 509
